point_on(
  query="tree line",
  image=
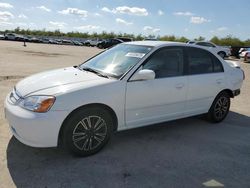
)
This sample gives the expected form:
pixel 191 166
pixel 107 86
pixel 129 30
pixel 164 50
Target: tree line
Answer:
pixel 224 41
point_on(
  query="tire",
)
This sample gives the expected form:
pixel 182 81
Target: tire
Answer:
pixel 87 131
pixel 100 46
pixel 220 108
pixel 222 54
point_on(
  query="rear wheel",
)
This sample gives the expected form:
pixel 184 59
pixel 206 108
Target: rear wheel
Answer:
pixel 87 131
pixel 220 108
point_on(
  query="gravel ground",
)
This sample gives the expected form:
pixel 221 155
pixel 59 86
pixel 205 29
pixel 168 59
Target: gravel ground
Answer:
pixel 182 153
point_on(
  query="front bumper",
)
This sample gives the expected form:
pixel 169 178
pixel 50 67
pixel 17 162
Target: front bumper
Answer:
pixel 34 129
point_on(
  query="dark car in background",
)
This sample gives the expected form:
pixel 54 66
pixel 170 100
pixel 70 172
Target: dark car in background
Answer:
pixel 77 43
pixel 109 43
pixel 100 43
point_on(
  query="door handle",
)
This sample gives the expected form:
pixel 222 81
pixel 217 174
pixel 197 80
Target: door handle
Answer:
pixel 179 86
pixel 218 81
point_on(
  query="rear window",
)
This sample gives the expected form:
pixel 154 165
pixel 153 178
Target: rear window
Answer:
pixel 201 62
pixel 217 65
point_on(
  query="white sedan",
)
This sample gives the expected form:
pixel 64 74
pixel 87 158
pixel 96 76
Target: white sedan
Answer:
pixel 130 85
pixel 245 54
pixel 220 50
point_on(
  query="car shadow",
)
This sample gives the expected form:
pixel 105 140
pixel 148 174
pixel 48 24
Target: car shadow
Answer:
pixel 133 158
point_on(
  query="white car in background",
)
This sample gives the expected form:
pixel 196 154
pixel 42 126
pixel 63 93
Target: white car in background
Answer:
pixel 130 85
pixel 220 50
pixel 92 42
pixel 2 37
pixel 10 36
pixel 245 54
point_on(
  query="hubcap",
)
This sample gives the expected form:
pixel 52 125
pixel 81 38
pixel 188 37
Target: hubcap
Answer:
pixel 221 107
pixel 89 133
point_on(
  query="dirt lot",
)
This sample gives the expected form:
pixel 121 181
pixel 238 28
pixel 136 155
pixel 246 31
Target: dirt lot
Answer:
pixel 183 153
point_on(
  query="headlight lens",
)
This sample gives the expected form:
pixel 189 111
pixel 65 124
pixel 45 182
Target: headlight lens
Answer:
pixel 38 103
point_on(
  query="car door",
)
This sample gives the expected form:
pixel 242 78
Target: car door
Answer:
pixel 205 80
pixel 160 99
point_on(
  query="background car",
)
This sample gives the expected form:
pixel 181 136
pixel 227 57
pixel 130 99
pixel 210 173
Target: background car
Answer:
pixel 109 43
pixel 220 50
pixel 33 39
pixel 10 36
pixel 67 42
pixel 2 37
pixel 150 39
pixel 77 43
pixel 92 42
pixel 125 39
pixel 21 38
pixel 244 54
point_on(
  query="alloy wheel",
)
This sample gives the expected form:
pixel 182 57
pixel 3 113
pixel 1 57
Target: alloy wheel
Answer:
pixel 89 133
pixel 221 107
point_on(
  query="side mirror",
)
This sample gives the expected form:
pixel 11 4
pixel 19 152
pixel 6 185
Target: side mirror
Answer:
pixel 144 74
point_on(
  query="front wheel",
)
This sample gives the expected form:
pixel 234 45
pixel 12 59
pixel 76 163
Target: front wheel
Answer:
pixel 220 108
pixel 87 131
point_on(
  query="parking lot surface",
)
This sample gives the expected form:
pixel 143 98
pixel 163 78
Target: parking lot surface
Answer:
pixel 182 153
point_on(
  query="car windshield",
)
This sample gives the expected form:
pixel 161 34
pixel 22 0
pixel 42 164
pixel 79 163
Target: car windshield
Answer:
pixel 116 61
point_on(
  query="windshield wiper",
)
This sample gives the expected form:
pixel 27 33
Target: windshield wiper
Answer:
pixel 94 71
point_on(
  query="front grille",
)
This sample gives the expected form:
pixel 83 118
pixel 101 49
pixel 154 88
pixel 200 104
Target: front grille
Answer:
pixel 14 96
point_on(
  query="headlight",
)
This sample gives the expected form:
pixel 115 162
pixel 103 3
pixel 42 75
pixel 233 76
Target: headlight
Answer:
pixel 37 103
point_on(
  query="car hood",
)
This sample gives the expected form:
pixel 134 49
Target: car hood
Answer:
pixel 54 78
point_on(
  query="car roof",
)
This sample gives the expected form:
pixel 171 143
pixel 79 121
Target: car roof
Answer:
pixel 155 43
pixel 159 44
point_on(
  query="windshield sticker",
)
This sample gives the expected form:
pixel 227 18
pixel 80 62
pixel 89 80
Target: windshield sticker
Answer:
pixel 133 54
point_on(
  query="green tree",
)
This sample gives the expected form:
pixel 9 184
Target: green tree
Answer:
pixel 183 39
pixel 247 42
pixel 17 30
pixel 215 40
pixel 225 41
pixel 200 38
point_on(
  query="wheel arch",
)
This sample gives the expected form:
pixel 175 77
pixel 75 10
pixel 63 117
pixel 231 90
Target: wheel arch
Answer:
pixel 228 91
pixel 96 105
pixel 222 52
pixel 210 114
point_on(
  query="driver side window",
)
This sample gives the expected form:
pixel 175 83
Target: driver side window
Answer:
pixel 166 62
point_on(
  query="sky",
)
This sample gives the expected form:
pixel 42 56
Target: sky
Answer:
pixel 189 18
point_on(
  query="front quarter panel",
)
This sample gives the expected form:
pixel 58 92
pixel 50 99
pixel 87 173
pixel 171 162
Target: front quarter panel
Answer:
pixel 111 94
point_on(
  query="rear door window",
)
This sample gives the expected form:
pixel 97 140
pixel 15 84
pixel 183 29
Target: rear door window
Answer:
pixel 199 61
